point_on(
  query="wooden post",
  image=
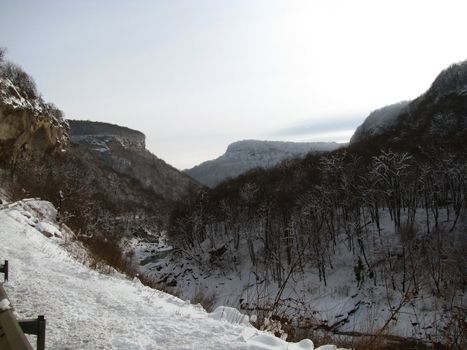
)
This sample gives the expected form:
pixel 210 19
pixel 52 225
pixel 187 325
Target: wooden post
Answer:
pixel 11 334
pixel 4 269
pixel 35 327
pixel 41 333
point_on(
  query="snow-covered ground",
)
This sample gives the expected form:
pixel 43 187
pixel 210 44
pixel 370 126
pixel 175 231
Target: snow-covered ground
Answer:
pixel 341 304
pixel 88 310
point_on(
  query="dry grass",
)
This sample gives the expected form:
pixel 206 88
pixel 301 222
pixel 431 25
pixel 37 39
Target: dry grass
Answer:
pixel 107 252
pixel 207 301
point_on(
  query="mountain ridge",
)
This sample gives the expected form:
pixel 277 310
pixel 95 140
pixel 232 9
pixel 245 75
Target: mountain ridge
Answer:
pixel 123 150
pixel 438 113
pixel 242 156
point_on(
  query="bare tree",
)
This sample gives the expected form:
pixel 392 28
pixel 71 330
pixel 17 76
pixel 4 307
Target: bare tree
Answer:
pixel 2 54
pixel 20 79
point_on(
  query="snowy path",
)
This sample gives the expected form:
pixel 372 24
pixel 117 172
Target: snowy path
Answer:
pixel 87 310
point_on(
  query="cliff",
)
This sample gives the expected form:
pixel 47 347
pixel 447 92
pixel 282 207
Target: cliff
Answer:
pixel 29 127
pixel 123 150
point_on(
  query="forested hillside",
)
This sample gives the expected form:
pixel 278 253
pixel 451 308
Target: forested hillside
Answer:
pixel 376 229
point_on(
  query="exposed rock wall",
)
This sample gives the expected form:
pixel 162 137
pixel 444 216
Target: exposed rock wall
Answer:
pixel 28 127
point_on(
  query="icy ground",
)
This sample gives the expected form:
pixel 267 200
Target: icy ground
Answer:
pixel 88 310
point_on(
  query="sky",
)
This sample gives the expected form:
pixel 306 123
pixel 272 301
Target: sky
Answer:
pixel 197 75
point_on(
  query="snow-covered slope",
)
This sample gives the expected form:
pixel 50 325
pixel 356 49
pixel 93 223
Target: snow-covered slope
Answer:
pixel 88 310
pixel 379 120
pixel 242 156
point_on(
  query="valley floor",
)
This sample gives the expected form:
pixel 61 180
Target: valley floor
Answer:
pixel 85 309
pixel 341 306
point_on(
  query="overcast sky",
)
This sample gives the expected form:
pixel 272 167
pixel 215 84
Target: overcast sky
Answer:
pixel 197 75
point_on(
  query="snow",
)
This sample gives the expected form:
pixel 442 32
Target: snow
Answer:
pixel 88 310
pixel 48 229
pixel 341 302
pixel 4 305
pixel 16 100
pixel 229 314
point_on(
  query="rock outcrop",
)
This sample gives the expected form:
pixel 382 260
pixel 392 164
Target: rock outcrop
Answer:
pixel 29 127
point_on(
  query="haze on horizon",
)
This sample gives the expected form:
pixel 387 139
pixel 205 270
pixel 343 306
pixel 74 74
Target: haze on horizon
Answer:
pixel 195 76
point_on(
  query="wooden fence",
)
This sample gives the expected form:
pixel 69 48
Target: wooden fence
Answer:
pixel 12 331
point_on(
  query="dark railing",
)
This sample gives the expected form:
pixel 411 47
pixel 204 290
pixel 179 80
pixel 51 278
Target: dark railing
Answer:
pixel 4 269
pixel 12 331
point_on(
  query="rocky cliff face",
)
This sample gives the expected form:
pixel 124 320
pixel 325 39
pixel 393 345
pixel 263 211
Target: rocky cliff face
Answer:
pixel 29 127
pixel 245 155
pixel 123 150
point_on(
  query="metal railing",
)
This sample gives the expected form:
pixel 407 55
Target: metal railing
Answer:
pixel 12 331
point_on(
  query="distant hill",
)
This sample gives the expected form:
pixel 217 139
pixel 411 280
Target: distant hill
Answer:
pixel 245 155
pixel 123 150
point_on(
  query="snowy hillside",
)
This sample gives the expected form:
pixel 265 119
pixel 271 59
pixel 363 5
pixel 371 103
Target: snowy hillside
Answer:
pixel 88 310
pixel 342 304
pixel 379 120
pixel 245 155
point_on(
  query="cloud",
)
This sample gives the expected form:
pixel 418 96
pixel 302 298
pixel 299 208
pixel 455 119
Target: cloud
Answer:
pixel 330 125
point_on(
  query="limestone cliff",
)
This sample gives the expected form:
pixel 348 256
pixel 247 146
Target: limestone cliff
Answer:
pixel 29 127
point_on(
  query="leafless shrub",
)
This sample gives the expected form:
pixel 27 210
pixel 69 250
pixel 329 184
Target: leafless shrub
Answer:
pixel 107 252
pixel 207 301
pixel 19 78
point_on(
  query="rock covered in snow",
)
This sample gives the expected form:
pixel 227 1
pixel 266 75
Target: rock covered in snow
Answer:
pixel 5 305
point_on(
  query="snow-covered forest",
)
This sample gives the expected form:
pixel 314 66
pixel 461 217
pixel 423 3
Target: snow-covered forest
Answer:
pixel 379 235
